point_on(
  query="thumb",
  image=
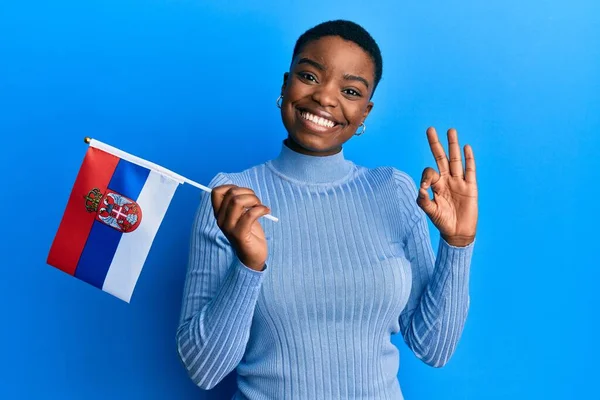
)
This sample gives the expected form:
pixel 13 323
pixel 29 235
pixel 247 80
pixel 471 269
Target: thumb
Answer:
pixel 429 206
pixel 426 203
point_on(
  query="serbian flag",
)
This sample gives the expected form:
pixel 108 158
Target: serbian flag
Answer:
pixel 113 213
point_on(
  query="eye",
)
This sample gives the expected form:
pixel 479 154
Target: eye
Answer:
pixel 307 76
pixel 352 92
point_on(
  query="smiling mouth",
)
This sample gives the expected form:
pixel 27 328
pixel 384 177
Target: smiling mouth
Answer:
pixel 316 120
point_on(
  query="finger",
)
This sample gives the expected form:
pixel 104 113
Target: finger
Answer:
pixel 470 175
pixel 227 198
pixel 246 221
pixel 456 166
pixel 226 203
pixel 237 207
pixel 217 194
pixel 438 151
pixel 222 199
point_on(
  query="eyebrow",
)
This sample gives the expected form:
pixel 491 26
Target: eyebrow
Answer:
pixel 311 62
pixel 356 78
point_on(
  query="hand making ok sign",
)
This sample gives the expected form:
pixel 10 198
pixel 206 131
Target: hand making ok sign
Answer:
pixel 453 209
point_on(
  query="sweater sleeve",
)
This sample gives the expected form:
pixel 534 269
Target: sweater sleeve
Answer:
pixel 219 297
pixel 434 317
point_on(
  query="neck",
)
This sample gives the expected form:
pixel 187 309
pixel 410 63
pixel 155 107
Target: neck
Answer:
pixel 299 149
pixel 305 168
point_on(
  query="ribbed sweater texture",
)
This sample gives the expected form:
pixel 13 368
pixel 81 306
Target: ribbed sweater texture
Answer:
pixel 350 264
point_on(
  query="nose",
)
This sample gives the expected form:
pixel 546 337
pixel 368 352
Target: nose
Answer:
pixel 325 95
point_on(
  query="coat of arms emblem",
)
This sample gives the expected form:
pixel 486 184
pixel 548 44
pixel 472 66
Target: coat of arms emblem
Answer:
pixel 114 210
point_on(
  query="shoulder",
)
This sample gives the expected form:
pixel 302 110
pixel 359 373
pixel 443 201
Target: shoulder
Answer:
pixel 240 178
pixel 405 183
pixel 248 177
pixel 394 184
pixel 398 179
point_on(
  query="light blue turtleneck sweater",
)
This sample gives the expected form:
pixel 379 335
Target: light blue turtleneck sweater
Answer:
pixel 350 264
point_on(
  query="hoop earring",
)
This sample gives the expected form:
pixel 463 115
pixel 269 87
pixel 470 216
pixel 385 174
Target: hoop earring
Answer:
pixel 364 128
pixel 277 102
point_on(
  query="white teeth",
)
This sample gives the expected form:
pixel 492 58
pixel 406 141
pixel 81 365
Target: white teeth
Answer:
pixel 317 120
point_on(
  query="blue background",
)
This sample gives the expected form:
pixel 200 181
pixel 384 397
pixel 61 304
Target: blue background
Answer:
pixel 193 86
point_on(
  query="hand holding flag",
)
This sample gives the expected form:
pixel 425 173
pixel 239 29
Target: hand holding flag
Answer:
pixel 237 210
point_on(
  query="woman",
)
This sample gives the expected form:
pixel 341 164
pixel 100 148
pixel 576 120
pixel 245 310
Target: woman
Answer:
pixel 304 308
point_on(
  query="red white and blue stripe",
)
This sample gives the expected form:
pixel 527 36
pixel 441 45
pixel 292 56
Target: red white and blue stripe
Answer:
pixel 112 216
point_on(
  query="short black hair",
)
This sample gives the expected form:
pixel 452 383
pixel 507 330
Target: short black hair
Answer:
pixel 347 30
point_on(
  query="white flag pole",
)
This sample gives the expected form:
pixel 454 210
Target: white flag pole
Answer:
pixel 150 165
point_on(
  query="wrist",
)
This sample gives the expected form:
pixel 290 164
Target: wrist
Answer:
pixel 253 266
pixel 258 269
pixel 458 241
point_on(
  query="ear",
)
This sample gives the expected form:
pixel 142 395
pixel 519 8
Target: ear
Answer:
pixel 285 79
pixel 367 110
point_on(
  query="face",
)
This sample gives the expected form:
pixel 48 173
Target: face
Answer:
pixel 326 95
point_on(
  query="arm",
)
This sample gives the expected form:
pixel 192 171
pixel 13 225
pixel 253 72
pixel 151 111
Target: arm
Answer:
pixel 219 298
pixel 434 317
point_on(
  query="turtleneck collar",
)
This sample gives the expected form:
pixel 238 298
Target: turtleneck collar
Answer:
pixel 311 169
